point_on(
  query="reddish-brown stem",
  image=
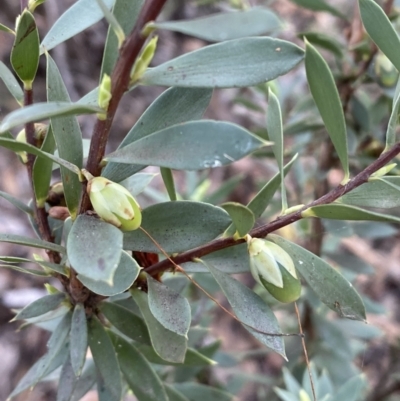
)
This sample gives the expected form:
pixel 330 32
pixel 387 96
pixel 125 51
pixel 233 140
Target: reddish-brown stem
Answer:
pixel 281 221
pixel 119 85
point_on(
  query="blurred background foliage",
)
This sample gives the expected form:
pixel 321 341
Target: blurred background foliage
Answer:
pixel 367 254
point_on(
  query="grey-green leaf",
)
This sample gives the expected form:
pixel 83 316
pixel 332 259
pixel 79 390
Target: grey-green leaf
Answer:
pixel 380 29
pixel 251 310
pixel 329 285
pixel 25 51
pixel 242 217
pixel 41 306
pixel 168 178
pixel 67 383
pixel 78 339
pixel 177 226
pixel 141 377
pixel 319 5
pixel 137 183
pixel 391 132
pixel 170 308
pixel 124 276
pixel 16 202
pixel 174 106
pixel 94 248
pixel 226 26
pixel 105 359
pixel 194 145
pixel 81 15
pixel 201 392
pixel 33 242
pixel 167 344
pixel 67 135
pixel 327 42
pixel 235 63
pixel 42 111
pixel 326 96
pixel 11 83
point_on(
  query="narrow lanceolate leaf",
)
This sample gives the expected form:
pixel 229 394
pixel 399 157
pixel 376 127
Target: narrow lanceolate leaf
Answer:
pixel 168 178
pixel 85 381
pixel 141 377
pixel 201 392
pixel 41 306
pixel 383 193
pixel 5 28
pixel 94 248
pixel 167 344
pixel 173 394
pixel 345 212
pixel 275 133
pixel 393 122
pixel 329 285
pixel 25 51
pixel 126 13
pixel 226 26
pixel 16 202
pixel 124 276
pixel 242 217
pixel 11 83
pixel 42 111
pixel 236 63
pixel 319 5
pixel 33 272
pixel 177 226
pixel 78 339
pixel 42 169
pixel 17 146
pixel 112 21
pixel 67 135
pixel 251 310
pixel 380 29
pixel 33 242
pixel 67 383
pixel 81 15
pixel 194 145
pixel 326 96
pixel 174 106
pixel 105 359
pixel 170 308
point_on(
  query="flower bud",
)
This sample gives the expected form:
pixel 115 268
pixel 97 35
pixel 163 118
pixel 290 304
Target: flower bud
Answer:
pixel 114 204
pixel 273 268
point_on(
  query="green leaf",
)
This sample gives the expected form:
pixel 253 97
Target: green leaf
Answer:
pixel 232 260
pixel 33 242
pixel 325 41
pixel 67 135
pixel 138 182
pixel 235 63
pixel 43 168
pixel 319 5
pixel 391 134
pixel 94 248
pixel 383 193
pixel 251 310
pixel 380 30
pixel 126 13
pixel 201 392
pixel 194 145
pixel 168 179
pixel 25 270
pixel 41 306
pixel 170 308
pixel 112 21
pixel 66 385
pixel 124 276
pixel 105 359
pixel 275 132
pixel 126 322
pixel 174 395
pixel 326 96
pixel 42 111
pixel 226 26
pixel 16 202
pixel 81 15
pixel 352 390
pixel 25 51
pixel 329 285
pixel 167 344
pixel 242 217
pixel 141 377
pixel 85 381
pixel 177 226
pixel 174 106
pixel 78 339
pixel 345 212
pixel 5 28
pixel 17 146
pixel 11 83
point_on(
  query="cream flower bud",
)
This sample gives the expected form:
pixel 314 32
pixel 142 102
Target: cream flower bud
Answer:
pixel 114 204
pixel 273 268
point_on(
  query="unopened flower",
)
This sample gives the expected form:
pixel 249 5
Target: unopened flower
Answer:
pixel 273 268
pixel 114 204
